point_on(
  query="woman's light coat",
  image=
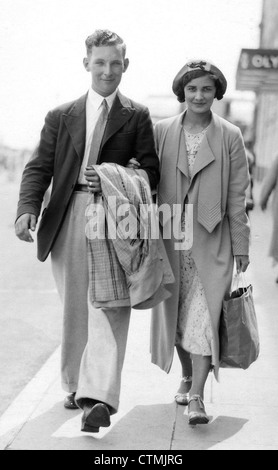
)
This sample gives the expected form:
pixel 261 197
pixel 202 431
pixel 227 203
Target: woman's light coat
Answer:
pixel 221 229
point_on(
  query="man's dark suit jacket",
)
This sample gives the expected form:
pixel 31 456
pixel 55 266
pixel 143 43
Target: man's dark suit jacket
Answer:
pixel 58 158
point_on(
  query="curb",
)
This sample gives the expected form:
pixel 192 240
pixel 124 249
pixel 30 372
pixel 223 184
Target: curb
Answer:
pixel 19 412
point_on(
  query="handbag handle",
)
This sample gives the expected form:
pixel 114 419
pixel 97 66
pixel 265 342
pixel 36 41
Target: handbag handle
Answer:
pixel 239 278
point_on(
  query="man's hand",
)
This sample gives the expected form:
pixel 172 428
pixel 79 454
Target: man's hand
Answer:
pixel 93 179
pixel 23 225
pixel 133 164
pixel 242 263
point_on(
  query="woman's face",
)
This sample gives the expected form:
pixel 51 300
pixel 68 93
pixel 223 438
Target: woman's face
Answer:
pixel 200 94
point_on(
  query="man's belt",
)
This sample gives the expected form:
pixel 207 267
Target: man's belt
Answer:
pixel 81 187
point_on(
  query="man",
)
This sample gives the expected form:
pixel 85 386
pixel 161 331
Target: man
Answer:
pixel 102 126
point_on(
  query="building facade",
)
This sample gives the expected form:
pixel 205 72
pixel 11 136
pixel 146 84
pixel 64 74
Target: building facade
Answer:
pixel 258 71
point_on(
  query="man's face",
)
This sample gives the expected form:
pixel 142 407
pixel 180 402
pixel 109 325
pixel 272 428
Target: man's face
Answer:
pixel 106 65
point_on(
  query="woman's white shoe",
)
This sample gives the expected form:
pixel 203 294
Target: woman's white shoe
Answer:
pixel 183 398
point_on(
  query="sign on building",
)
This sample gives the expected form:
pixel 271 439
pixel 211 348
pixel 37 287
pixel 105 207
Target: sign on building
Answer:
pixel 258 70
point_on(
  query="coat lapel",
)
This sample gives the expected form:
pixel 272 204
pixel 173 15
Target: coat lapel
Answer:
pixel 182 162
pixel 75 122
pixel 120 113
pixel 175 168
pixel 210 187
pixel 210 147
pixel 204 157
pixel 207 193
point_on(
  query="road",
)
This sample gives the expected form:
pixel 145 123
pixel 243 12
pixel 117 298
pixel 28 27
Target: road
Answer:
pixel 30 309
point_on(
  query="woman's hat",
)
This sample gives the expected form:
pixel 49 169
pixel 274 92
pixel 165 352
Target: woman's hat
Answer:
pixel 200 65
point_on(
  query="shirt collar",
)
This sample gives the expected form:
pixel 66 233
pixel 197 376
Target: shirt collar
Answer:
pixel 96 100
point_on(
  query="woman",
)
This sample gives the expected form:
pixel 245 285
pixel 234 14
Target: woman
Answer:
pixel 204 167
pixel 270 186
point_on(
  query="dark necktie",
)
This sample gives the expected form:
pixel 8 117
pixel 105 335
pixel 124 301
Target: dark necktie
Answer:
pixel 98 134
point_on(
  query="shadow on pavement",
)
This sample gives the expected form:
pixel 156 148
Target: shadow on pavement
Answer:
pixel 218 431
pixel 144 427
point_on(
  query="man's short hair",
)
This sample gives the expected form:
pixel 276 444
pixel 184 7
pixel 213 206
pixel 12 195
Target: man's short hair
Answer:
pixel 104 37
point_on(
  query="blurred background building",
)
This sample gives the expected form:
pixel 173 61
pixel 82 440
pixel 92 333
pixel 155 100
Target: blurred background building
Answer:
pixel 253 105
pixel 12 162
pixel 258 72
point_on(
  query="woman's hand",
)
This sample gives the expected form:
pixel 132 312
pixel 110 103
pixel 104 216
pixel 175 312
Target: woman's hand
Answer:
pixel 133 164
pixel 94 185
pixel 242 263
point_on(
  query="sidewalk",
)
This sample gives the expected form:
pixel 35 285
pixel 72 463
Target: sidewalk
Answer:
pixel 243 407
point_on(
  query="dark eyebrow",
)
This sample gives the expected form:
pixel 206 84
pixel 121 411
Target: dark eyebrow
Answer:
pixel 195 86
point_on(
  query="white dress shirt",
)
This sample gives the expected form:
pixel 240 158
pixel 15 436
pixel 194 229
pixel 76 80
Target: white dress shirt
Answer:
pixel 93 111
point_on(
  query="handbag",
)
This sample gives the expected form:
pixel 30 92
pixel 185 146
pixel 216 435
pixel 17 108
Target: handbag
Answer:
pixel 239 334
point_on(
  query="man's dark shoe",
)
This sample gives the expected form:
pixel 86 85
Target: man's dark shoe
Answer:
pixel 69 402
pixel 95 417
